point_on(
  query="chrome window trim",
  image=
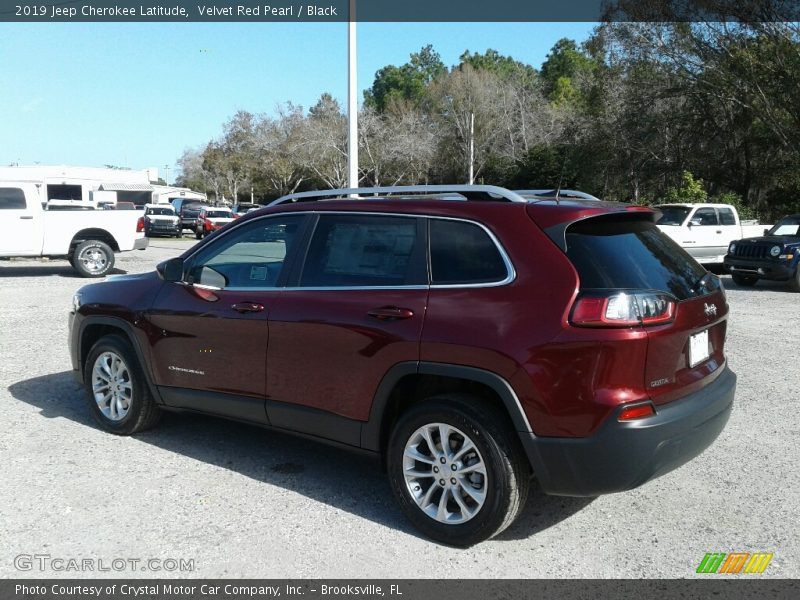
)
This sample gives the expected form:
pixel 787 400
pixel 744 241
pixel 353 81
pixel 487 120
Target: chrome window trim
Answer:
pixel 511 273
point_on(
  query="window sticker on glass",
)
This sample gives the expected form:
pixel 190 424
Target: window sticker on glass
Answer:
pixel 258 273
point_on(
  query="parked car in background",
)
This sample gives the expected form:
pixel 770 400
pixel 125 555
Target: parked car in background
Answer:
pixel 188 210
pixel 469 344
pixel 88 238
pixel 704 230
pixel 210 219
pixel 161 219
pixel 242 208
pixel 775 256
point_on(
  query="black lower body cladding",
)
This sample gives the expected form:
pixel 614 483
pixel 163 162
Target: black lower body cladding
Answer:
pixel 624 455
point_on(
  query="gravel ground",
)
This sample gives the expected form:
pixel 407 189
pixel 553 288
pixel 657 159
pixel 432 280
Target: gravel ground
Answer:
pixel 242 502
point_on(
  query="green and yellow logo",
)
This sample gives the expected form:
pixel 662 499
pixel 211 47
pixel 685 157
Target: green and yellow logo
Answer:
pixel 734 563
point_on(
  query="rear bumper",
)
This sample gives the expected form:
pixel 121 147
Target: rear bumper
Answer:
pixel 622 456
pixel 761 268
pixel 140 243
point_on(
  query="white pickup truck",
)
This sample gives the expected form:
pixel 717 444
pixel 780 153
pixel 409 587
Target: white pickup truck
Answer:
pixel 705 230
pixel 87 238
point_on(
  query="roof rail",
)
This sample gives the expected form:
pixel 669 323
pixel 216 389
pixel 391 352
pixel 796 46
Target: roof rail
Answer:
pixel 469 192
pixel 560 194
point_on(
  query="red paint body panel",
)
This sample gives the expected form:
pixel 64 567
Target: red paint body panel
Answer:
pixel 192 331
pixel 327 352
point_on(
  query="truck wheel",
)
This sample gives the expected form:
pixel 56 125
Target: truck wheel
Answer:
pixel 744 280
pixel 794 282
pixel 93 258
pixel 457 469
pixel 116 388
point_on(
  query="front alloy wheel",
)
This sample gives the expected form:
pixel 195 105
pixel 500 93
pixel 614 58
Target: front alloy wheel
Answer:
pixel 111 386
pixel 117 391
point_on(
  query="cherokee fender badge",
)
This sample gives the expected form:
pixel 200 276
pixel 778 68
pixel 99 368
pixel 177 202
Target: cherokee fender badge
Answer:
pixel 190 371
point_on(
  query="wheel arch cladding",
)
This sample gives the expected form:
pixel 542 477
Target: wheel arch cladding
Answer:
pixel 95 328
pixel 406 384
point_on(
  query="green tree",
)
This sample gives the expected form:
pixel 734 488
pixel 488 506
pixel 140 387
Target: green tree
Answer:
pixel 564 64
pixel 407 83
pixel 689 190
pixel 505 67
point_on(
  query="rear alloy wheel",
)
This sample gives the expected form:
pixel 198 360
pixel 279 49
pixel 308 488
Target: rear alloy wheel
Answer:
pixel 457 469
pixel 117 391
pixel 93 258
pixel 744 280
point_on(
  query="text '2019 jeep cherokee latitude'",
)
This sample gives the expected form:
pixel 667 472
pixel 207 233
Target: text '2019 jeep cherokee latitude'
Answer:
pixel 470 343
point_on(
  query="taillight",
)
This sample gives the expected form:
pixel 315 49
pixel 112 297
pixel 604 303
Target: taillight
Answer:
pixel 140 225
pixel 623 309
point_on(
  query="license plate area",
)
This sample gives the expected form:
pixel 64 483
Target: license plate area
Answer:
pixel 698 348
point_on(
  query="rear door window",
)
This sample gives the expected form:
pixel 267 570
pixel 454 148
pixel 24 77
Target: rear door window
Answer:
pixel 726 216
pixel 365 251
pixel 634 255
pixel 705 216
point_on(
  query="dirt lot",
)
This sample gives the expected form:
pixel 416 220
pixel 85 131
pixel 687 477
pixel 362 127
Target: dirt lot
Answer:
pixel 241 502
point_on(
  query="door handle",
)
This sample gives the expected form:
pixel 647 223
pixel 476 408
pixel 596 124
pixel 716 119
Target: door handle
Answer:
pixel 391 313
pixel 26 217
pixel 247 307
pixel 719 230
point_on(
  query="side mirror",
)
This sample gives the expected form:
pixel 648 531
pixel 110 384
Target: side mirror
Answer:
pixel 171 270
pixel 766 231
pixel 694 222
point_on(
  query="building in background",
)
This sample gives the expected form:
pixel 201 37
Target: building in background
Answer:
pixel 97 186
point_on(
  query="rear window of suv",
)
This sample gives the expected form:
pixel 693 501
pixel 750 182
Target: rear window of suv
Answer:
pixel 634 255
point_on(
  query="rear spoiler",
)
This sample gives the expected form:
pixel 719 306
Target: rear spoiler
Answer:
pixel 558 233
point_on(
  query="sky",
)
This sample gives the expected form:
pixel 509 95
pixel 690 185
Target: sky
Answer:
pixel 137 95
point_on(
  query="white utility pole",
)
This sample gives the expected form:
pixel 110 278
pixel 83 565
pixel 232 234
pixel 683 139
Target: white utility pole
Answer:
pixel 352 100
pixel 471 148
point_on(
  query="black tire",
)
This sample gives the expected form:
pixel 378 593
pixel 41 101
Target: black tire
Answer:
pixel 744 280
pixel 198 235
pixel 142 412
pixel 505 485
pixel 794 282
pixel 92 258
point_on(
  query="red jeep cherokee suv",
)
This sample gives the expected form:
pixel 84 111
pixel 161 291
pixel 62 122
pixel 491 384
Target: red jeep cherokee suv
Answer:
pixel 471 336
